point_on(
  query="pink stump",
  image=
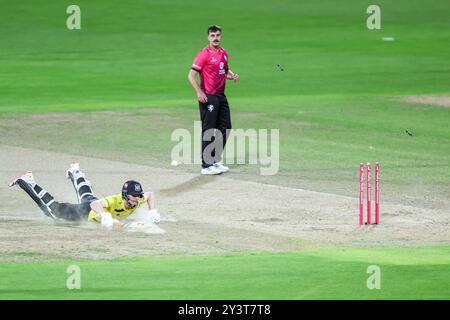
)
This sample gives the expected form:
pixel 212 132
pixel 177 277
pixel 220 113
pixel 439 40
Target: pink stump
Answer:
pixel 377 193
pixel 361 188
pixel 368 182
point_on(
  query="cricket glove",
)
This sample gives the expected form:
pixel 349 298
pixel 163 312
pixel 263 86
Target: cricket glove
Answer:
pixel 154 216
pixel 107 220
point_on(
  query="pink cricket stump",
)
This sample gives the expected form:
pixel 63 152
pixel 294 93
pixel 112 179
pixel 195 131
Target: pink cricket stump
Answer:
pixel 361 192
pixel 369 220
pixel 377 193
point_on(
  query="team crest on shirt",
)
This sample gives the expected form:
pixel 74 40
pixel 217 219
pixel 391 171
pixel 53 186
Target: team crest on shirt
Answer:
pixel 211 108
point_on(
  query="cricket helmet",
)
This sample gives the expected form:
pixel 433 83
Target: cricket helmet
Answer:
pixel 133 188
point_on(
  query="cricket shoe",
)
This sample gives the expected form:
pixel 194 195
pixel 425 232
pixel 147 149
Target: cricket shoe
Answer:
pixel 219 166
pixel 73 170
pixel 211 170
pixel 27 177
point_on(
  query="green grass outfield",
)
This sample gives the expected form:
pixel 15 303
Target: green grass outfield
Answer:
pixel 329 273
pixel 139 53
pixel 334 104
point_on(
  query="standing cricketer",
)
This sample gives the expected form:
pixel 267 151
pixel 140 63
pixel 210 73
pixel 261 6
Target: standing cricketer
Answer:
pixel 212 65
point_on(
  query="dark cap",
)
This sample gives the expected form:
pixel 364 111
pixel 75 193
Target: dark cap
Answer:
pixel 133 188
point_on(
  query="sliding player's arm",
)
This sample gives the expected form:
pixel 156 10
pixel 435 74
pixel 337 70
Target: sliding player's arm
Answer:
pixel 105 217
pixel 153 214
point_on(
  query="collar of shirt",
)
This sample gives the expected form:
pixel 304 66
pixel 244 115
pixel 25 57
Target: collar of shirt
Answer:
pixel 214 51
